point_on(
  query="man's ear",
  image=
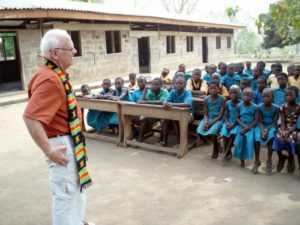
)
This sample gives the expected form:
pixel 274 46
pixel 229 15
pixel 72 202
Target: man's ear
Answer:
pixel 54 54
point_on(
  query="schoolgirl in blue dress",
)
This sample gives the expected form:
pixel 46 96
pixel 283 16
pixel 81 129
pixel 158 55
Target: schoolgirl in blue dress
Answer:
pixel 230 78
pixel 240 71
pixel 261 85
pixel 229 127
pixel 248 69
pixel 267 125
pixel 138 93
pixel 247 119
pixel 214 106
pixel 253 79
pixel 287 136
pixel 279 93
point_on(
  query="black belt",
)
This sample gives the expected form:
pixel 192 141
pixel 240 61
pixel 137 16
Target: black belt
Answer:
pixel 53 136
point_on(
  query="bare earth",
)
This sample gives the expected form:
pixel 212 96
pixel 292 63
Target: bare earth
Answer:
pixel 137 187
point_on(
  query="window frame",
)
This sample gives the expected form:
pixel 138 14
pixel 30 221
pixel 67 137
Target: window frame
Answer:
pixel 77 45
pixel 113 41
pixel 228 42
pixel 170 44
pixel 189 44
pixel 218 42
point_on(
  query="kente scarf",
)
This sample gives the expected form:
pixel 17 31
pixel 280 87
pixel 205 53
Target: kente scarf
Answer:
pixel 75 128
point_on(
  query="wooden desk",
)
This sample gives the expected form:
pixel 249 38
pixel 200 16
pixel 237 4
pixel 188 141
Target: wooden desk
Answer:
pixel 108 106
pixel 156 111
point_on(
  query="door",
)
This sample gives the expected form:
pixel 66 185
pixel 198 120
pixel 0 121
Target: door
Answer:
pixel 10 76
pixel 144 55
pixel 204 50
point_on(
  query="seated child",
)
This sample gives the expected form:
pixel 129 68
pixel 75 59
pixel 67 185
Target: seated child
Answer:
pixel 267 125
pixel 253 79
pixel 196 85
pixel 248 69
pixel 229 128
pixel 261 85
pixel 165 76
pixel 246 118
pixel 223 69
pixel 138 93
pixel 230 78
pixel 132 82
pixel 207 77
pixel 178 97
pixel 214 106
pixel 288 136
pixel 240 69
pixel 295 79
pixel 279 93
pixel 154 96
pixel 106 91
pixel 181 69
pixel 290 70
pixel 223 91
pixel 272 80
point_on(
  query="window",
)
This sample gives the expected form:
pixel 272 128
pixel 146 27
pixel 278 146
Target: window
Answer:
pixel 170 44
pixel 113 41
pixel 218 42
pixel 75 35
pixel 189 44
pixel 228 42
pixel 7 46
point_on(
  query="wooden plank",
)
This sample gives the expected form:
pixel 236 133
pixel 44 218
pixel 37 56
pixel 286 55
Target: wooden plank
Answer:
pixel 151 147
pixel 100 137
pixel 98 104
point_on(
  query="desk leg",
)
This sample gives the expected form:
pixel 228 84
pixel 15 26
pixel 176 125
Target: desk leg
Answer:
pixel 183 123
pixel 121 127
pixel 127 129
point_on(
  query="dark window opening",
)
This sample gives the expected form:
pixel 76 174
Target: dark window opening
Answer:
pixel 189 44
pixel 218 42
pixel 170 44
pixel 75 36
pixel 228 42
pixel 113 42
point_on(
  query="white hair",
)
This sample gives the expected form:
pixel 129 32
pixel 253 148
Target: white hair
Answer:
pixel 50 40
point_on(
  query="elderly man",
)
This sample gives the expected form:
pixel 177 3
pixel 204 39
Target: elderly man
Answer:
pixel 53 119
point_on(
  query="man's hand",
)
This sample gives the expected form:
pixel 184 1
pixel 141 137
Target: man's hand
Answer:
pixel 57 155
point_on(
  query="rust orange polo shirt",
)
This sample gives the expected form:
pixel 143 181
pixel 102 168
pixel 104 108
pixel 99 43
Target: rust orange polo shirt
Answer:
pixel 48 102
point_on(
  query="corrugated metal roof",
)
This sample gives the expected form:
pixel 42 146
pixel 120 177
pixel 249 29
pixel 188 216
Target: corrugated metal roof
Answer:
pixel 97 8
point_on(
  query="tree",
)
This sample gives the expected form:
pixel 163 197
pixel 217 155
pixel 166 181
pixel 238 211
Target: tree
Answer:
pixel 281 25
pixel 247 42
pixel 231 12
pixel 180 6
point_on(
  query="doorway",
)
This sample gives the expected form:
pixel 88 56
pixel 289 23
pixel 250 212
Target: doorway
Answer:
pixel 144 55
pixel 204 50
pixel 10 73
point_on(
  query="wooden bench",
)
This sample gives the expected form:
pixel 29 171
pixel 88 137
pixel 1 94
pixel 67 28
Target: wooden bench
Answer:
pixel 156 111
pixel 108 106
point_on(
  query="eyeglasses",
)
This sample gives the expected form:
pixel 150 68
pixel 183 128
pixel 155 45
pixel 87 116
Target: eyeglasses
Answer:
pixel 66 49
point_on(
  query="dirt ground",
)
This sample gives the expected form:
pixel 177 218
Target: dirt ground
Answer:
pixel 137 187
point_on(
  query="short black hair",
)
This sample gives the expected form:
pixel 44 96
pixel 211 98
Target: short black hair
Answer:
pixel 214 82
pixel 283 75
pixel 294 89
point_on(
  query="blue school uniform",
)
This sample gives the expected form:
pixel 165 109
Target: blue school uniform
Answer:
pixel 229 80
pixel 241 74
pixel 99 119
pixel 279 96
pixel 253 83
pixel 248 71
pixel 266 73
pixel 257 97
pixel 114 119
pixel 222 74
pixel 244 143
pixel 187 75
pixel 184 97
pixel 138 94
pixel 231 117
pixel 267 117
pixel 213 110
pixel 207 77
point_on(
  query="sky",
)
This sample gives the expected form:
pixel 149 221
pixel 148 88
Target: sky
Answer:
pixel 213 9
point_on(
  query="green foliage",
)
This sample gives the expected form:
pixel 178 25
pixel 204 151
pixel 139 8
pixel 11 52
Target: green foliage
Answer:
pixel 281 25
pixel 231 12
pixel 247 42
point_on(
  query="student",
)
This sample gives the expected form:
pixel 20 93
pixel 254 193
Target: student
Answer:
pixel 230 78
pixel 165 76
pixel 206 69
pixel 219 67
pixel 240 71
pixel 207 77
pixel 295 79
pixel 181 68
pixel 229 127
pixel 214 106
pixel 138 93
pixel 263 71
pixel 253 79
pixel 223 69
pixel 245 83
pixel 196 85
pixel 287 135
pixel 246 117
pixel 223 91
pixel 132 82
pixel 248 69
pixel 272 80
pixel 106 91
pixel 267 124
pixel 279 93
pixel 261 85
pixel 290 70
pixel 154 96
pixel 178 97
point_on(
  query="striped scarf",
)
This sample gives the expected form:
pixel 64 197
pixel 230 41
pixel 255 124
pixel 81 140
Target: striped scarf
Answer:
pixel 75 128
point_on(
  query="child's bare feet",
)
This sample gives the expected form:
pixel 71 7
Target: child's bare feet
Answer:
pixel 243 163
pixel 255 167
pixel 268 167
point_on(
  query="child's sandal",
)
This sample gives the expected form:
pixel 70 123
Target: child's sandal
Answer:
pixel 268 168
pixel 280 163
pixel 255 167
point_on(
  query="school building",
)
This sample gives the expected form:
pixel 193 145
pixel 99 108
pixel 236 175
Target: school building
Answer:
pixel 108 41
